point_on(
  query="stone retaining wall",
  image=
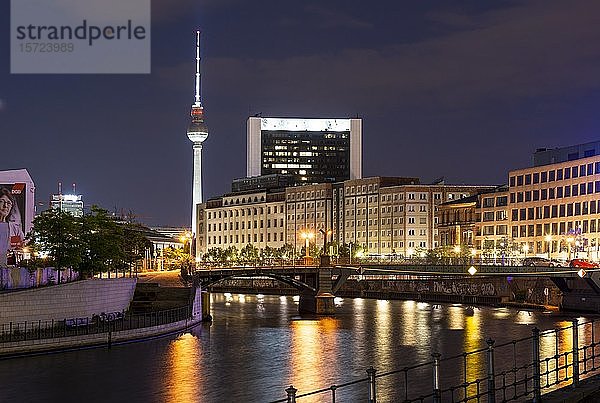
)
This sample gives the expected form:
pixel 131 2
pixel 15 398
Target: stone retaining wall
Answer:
pixel 78 299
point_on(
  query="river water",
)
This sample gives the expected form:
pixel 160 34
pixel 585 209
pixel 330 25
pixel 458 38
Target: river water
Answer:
pixel 259 345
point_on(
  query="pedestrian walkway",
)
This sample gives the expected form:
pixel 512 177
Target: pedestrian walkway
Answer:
pixel 588 391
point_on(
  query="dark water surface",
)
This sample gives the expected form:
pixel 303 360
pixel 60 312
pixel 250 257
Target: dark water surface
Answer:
pixel 257 346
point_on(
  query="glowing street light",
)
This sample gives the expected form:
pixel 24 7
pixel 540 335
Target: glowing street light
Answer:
pixel 457 251
pixel 307 236
pixel 526 249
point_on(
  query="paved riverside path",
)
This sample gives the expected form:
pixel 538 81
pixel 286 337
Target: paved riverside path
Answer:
pixel 588 391
pixel 170 278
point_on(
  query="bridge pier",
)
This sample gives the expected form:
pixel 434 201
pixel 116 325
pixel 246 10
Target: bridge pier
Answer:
pixel 206 317
pixel 320 304
pixel 323 302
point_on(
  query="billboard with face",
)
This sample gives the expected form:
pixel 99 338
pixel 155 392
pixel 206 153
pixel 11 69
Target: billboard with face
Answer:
pixel 12 220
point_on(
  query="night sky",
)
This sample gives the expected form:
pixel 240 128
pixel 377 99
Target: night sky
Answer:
pixel 464 90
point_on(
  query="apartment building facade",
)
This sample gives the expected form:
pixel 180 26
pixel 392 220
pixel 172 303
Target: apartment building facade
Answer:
pixel 384 216
pixel 555 208
pixel 256 218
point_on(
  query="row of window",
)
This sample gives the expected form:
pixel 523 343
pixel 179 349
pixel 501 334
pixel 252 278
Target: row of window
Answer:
pixel 555 210
pixel 499 215
pixel 300 206
pixel 308 216
pixel 309 195
pixel 242 225
pixel 244 211
pixel 494 230
pixel 499 201
pixel 243 200
pixel 555 228
pixel 555 175
pixel 580 189
pixel 222 239
pixel 387 233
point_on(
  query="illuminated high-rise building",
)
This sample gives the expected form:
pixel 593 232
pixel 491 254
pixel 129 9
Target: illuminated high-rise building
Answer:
pixel 197 133
pixel 70 203
pixel 312 150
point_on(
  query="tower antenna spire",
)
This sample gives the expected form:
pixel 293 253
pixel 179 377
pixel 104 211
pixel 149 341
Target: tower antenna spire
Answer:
pixel 198 100
pixel 197 132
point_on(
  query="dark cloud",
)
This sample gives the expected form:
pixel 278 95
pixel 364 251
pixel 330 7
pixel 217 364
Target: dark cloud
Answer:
pixel 335 18
pixel 527 51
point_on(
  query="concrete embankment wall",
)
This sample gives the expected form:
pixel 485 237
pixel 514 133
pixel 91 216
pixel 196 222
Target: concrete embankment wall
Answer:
pixel 26 347
pixel 78 299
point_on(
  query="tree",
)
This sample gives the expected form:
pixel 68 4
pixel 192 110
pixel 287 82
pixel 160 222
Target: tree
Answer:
pixel 176 259
pixel 213 255
pixel 135 245
pixel 286 252
pixel 231 255
pixel 89 244
pixel 59 235
pixel 249 254
pixel 103 241
pixel 268 253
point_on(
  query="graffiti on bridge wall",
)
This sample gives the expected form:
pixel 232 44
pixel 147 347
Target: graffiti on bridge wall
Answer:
pixel 450 287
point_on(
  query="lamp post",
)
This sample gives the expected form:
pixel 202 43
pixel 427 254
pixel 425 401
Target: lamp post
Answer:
pixel 457 251
pixel 325 260
pixel 307 236
pixel 525 249
pixel 569 242
pixel 549 240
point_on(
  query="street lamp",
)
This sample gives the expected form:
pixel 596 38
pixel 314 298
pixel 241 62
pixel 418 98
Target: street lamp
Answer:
pixel 569 242
pixel 457 251
pixel 526 249
pixel 549 240
pixel 307 236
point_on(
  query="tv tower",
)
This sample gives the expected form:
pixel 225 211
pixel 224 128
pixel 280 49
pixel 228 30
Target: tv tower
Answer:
pixel 197 132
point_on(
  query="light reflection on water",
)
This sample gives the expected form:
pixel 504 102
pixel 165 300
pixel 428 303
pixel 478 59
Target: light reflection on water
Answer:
pixel 184 375
pixel 258 346
pixel 313 352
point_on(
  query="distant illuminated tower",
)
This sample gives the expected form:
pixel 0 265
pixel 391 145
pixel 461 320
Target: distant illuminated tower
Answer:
pixel 197 132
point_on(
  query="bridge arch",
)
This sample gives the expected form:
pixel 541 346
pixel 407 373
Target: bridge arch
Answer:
pixel 297 284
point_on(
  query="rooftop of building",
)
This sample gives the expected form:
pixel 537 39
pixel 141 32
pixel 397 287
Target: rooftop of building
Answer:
pixel 547 156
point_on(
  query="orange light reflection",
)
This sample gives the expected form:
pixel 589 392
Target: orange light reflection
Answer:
pixel 184 380
pixel 313 355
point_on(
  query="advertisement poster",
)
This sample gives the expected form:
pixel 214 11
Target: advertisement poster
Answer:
pixel 12 220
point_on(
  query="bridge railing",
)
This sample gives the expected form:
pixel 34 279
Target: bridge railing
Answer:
pixel 517 370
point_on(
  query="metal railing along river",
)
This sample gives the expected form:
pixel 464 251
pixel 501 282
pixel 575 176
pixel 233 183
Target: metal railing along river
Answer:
pixel 517 370
pixel 112 322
